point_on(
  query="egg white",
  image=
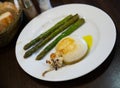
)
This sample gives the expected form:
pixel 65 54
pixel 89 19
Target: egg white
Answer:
pixel 73 55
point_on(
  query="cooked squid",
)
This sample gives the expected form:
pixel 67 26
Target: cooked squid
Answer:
pixel 67 51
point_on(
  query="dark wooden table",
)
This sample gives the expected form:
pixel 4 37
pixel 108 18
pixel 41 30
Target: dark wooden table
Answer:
pixel 106 75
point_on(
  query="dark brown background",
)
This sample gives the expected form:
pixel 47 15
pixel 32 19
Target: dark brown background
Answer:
pixel 106 75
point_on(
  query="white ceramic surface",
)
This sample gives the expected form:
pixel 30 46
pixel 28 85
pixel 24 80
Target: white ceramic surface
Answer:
pixel 98 24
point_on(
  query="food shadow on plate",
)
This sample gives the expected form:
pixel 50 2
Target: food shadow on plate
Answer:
pixel 84 79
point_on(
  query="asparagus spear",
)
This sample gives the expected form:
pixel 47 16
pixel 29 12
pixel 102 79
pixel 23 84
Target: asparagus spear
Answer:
pixel 52 35
pixel 49 31
pixel 71 29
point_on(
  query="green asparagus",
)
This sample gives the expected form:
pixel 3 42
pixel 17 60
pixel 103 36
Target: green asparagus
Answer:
pixel 64 34
pixel 52 35
pixel 45 34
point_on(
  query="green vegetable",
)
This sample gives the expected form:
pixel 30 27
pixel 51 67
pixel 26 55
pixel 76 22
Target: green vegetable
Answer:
pixel 71 29
pixel 52 35
pixel 48 32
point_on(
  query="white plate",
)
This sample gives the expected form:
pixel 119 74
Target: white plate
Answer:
pixel 98 24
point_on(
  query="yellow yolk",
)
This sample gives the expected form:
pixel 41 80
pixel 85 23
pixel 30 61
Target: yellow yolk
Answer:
pixel 89 40
pixel 66 45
